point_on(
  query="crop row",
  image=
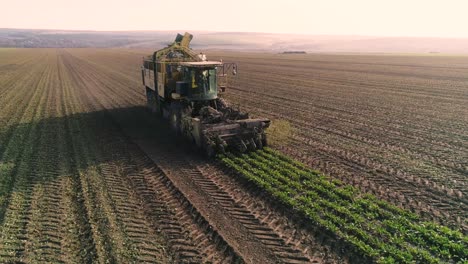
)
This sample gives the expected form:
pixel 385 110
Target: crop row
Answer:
pixel 56 205
pixel 390 173
pixel 374 228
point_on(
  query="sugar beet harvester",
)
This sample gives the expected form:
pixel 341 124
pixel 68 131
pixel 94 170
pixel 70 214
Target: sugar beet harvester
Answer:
pixel 183 86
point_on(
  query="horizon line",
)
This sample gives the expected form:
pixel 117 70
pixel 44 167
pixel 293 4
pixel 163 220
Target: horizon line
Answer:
pixel 243 32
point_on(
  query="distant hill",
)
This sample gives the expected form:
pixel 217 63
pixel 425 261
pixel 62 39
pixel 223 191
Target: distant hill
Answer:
pixel 240 41
pixel 25 38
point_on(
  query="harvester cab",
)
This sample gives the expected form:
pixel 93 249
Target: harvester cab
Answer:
pixel 183 87
pixel 198 81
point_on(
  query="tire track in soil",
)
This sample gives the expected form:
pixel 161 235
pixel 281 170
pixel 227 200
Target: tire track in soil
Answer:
pixel 117 171
pixel 287 253
pixel 188 235
pixel 252 241
pixel 202 224
pixel 173 164
pixel 295 233
pixel 264 235
pixel 165 207
pixel 120 231
pixel 158 209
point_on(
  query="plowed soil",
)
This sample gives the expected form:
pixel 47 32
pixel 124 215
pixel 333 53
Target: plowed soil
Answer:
pixel 88 175
pixel 394 126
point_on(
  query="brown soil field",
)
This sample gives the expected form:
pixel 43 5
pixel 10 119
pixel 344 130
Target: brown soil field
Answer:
pixel 395 126
pixel 87 175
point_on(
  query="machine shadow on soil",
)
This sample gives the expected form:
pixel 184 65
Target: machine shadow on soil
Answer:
pixel 145 127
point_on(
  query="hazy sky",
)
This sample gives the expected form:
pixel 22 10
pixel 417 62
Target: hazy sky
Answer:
pixel 438 18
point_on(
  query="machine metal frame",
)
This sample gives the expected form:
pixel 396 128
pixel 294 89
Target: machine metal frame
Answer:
pixel 183 86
